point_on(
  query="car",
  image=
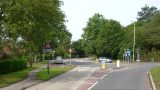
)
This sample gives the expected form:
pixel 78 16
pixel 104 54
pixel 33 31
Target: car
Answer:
pixel 107 60
pixel 138 60
pixel 102 59
pixel 59 60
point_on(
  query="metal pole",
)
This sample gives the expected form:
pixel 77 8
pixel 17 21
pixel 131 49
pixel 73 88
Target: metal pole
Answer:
pixel 48 67
pixel 70 58
pixel 70 54
pixel 134 41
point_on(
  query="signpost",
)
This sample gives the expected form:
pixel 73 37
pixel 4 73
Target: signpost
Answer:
pixel 127 54
pixel 70 51
pixel 47 49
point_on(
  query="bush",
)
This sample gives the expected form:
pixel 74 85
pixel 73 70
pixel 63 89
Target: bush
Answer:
pixel 7 66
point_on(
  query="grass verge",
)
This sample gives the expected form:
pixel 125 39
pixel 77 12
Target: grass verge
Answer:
pixel 39 64
pixel 156 76
pixel 55 71
pixel 10 78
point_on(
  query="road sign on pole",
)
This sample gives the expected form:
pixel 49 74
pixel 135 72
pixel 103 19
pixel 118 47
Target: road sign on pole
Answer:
pixel 47 49
pixel 127 54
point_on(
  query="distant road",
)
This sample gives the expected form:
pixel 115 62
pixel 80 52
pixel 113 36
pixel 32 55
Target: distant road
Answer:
pixel 131 78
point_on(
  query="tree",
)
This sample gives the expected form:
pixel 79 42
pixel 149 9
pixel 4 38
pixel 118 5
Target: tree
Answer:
pixel 147 37
pixel 109 39
pixel 77 46
pixel 146 13
pixel 33 22
pixel 91 31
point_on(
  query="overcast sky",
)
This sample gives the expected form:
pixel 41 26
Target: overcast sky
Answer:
pixel 79 11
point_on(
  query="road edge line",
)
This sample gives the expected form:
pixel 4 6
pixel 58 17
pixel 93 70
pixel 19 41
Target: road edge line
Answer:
pixel 92 86
pixel 151 80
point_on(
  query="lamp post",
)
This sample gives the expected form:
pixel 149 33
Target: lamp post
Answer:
pixel 134 40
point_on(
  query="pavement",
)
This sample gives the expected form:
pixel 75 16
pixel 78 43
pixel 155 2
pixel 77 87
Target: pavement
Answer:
pixel 67 81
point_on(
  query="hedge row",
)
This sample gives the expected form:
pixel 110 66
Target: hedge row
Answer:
pixel 7 66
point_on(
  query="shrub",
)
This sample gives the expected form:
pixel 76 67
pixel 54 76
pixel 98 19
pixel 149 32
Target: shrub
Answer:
pixel 7 66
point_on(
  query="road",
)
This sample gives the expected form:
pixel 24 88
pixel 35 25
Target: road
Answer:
pixel 131 78
pixel 89 76
pixel 69 80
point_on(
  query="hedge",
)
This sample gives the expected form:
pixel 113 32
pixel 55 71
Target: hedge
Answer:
pixel 7 66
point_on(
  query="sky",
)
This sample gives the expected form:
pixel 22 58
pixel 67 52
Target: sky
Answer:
pixel 79 11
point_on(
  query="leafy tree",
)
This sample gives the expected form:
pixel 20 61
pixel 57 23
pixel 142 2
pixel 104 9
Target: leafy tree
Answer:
pixel 149 35
pixel 33 23
pixel 91 32
pixel 77 46
pixel 109 39
pixel 147 38
pixel 146 13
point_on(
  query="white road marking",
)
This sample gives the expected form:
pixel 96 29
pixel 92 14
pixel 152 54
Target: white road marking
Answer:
pixel 92 86
pixel 103 76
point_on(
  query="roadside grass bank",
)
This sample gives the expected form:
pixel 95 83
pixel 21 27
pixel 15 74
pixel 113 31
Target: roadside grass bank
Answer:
pixel 10 78
pixel 155 72
pixel 53 72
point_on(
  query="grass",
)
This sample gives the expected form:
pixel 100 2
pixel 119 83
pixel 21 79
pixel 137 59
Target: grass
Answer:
pixel 10 78
pixel 43 74
pixel 156 76
pixel 39 64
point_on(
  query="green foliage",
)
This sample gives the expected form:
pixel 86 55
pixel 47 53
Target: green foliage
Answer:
pixel 91 31
pixel 77 46
pixel 7 66
pixel 109 38
pixel 29 24
pixel 147 38
pixel 102 37
pixel 146 13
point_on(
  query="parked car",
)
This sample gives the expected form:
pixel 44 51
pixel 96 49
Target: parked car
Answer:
pixel 59 60
pixel 107 60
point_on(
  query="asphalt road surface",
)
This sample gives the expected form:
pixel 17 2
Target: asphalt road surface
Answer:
pixel 130 78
